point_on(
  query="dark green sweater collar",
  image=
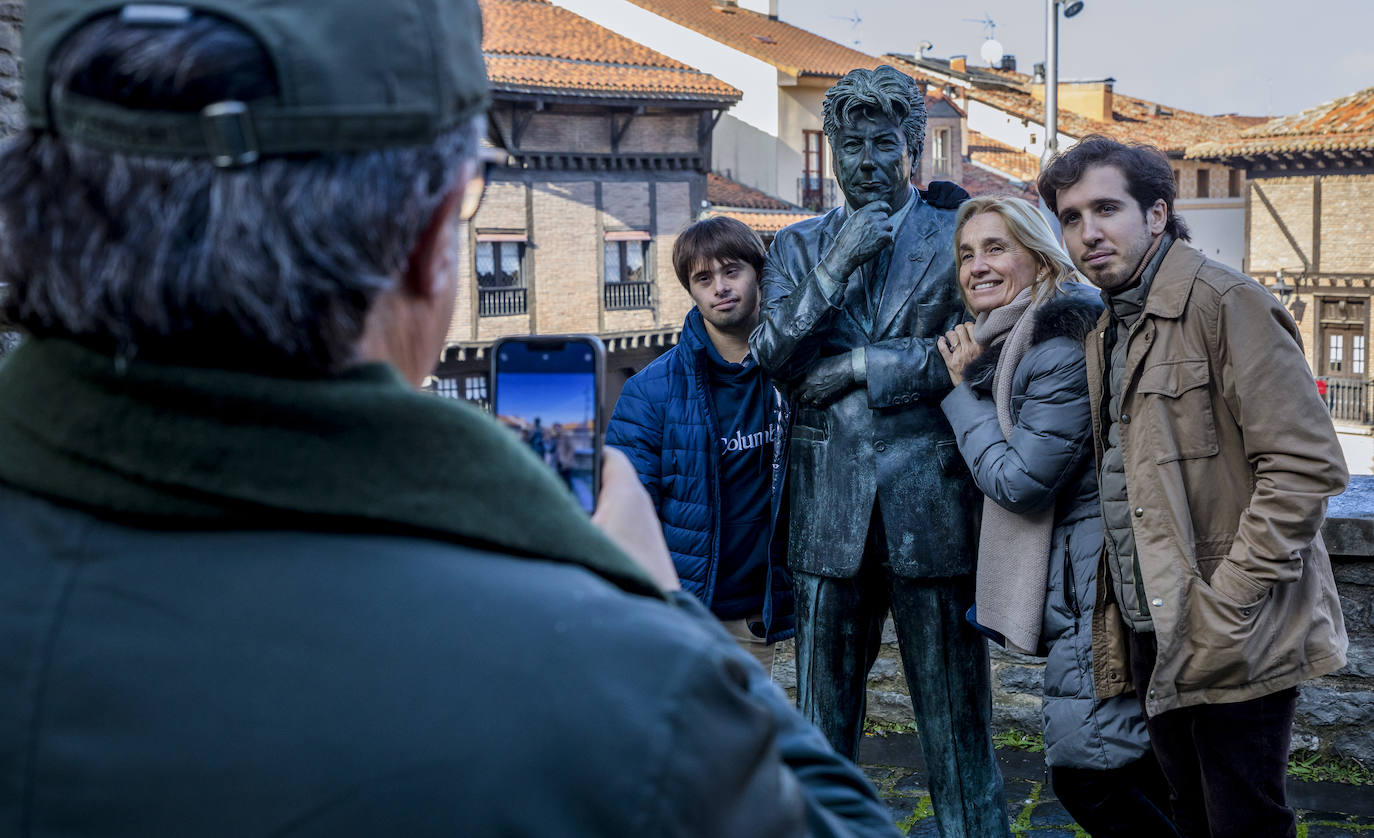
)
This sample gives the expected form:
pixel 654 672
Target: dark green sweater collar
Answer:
pixel 181 447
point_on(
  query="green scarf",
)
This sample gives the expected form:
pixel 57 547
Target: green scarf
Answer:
pixel 186 448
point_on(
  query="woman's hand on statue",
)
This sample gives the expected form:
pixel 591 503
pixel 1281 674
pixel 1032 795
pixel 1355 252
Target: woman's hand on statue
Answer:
pixel 958 348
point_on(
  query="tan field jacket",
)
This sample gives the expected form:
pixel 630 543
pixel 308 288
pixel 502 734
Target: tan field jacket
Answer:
pixel 1230 457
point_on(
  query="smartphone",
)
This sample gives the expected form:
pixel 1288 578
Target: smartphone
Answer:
pixel 547 390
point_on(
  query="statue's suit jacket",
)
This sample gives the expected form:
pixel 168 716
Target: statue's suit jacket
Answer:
pixel 887 441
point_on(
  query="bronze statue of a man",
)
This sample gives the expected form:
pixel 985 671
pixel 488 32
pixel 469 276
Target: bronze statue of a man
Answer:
pixel 883 510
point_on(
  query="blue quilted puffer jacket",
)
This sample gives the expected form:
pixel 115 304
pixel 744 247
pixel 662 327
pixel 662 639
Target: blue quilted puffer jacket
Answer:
pixel 663 422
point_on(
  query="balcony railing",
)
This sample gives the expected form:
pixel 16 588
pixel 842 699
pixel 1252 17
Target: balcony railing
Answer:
pixel 1346 398
pixel 496 302
pixel 817 194
pixel 620 296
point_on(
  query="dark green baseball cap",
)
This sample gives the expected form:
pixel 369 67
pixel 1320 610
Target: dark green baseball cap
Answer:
pixel 353 75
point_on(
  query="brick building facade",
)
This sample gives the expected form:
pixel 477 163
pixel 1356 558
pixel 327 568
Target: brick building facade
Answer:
pixel 1309 210
pixel 605 145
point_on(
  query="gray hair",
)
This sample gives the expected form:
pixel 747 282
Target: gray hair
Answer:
pixel 885 90
pixel 269 267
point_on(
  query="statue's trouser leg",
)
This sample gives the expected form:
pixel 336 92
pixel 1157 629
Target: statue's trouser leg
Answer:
pixel 839 631
pixel 947 672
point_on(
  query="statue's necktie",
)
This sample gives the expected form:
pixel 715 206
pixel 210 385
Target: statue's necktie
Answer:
pixel 874 280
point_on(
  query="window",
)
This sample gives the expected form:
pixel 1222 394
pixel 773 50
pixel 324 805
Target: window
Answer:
pixel 1176 177
pixel 1204 183
pixel 475 388
pixel 1357 355
pixel 1233 183
pixel 813 170
pixel 446 387
pixel 941 159
pixel 499 261
pixel 1335 353
pixel 627 284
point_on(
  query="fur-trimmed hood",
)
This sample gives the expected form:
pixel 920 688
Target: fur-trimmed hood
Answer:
pixel 1072 314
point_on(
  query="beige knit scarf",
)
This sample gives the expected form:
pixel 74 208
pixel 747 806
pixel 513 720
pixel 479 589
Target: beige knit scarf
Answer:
pixel 1013 549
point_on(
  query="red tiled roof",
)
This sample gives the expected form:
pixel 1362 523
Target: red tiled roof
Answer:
pixel 1344 124
pixel 932 84
pixel 764 222
pixel 1133 120
pixel 979 182
pixel 723 192
pixel 1002 157
pixel 532 46
pixel 786 47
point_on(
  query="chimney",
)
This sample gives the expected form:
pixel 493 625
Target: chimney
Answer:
pixel 763 7
pixel 958 63
pixel 1091 99
pixel 1009 63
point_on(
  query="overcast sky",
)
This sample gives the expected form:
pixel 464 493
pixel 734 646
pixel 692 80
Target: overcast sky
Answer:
pixel 1255 57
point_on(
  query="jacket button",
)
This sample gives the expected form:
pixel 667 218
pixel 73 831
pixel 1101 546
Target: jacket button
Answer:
pixel 1152 693
pixel 1245 612
pixel 1157 602
pixel 1125 418
pixel 880 446
pixel 1139 513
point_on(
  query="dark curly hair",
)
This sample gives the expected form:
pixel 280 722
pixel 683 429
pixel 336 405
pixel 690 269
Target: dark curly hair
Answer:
pixel 1149 177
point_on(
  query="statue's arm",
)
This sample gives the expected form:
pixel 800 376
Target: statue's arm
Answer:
pixel 900 372
pixel 797 304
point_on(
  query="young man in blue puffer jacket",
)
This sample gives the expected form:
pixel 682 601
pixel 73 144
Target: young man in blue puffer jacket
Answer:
pixel 705 429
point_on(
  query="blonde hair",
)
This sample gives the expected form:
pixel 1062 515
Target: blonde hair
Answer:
pixel 1031 231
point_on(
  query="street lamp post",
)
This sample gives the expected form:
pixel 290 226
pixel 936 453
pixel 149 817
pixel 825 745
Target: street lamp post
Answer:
pixel 1071 8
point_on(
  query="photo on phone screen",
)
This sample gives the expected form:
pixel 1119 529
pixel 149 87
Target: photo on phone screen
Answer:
pixel 547 390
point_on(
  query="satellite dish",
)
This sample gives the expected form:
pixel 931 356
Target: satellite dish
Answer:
pixel 991 52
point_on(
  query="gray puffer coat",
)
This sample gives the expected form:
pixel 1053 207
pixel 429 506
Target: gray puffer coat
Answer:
pixel 1049 461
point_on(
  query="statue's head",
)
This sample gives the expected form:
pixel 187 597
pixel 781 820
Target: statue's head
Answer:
pixel 875 121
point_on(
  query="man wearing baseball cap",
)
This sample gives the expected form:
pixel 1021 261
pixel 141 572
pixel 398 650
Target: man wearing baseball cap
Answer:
pixel 254 583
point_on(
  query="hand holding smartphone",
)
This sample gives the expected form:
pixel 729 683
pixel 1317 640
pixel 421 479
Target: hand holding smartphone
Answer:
pixel 547 390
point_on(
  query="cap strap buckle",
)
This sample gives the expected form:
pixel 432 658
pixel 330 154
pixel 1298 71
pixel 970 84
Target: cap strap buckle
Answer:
pixel 229 134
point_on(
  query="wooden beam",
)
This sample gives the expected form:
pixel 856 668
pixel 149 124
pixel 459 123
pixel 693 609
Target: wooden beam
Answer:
pixel 1317 224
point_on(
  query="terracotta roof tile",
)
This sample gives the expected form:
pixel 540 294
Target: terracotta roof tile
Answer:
pixel 1002 157
pixel 1133 120
pixel 723 192
pixel 783 45
pixel 764 222
pixel 1344 124
pixel 532 46
pixel 979 182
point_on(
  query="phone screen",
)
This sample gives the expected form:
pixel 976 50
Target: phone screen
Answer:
pixel 547 391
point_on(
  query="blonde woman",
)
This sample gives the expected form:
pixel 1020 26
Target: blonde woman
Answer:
pixel 1020 414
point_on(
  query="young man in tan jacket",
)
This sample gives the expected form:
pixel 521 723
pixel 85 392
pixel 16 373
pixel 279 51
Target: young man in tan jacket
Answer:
pixel 1215 459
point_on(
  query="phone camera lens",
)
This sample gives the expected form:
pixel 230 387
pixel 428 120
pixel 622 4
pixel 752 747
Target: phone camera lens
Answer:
pixel 544 357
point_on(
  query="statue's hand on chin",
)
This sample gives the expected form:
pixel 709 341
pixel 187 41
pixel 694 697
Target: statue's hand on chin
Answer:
pixel 865 233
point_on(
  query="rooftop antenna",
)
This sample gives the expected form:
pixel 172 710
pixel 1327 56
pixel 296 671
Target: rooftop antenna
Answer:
pixel 989 25
pixel 991 50
pixel 854 21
